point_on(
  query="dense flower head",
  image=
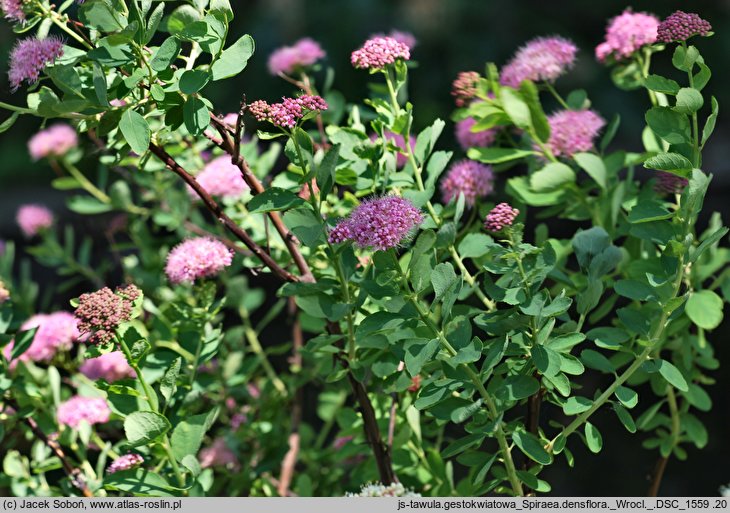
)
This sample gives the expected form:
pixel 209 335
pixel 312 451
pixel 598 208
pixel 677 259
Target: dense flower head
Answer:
pixel 397 139
pixel 467 177
pixel 340 233
pixel 109 366
pixel 573 131
pixel 501 216
pixel 301 54
pixel 54 141
pixel 101 312
pixel 464 88
pixel 218 455
pixel 380 223
pixel 378 52
pixel 33 218
pixel 289 111
pixel 668 183
pixel 680 26
pixel 627 33
pixel 201 257
pixel 221 178
pixel 380 490
pixel 541 59
pixel 56 332
pixel 468 139
pixel 30 56
pixel 13 10
pixel 93 410
pixel 126 462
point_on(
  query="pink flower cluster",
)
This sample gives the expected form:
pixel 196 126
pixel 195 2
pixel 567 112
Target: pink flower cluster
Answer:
pixel 541 59
pixel 93 410
pixel 30 56
pixel 472 179
pixel 680 26
pixel 126 462
pixel 499 217
pixel 218 455
pixel 301 54
pixel 101 312
pixel 464 88
pixel 469 139
pixel 397 139
pixel 401 36
pixel 54 141
pixel 56 332
pixel 33 218
pixel 573 131
pixel 378 52
pixel 220 178
pixel 668 183
pixel 109 366
pixel 379 223
pixel 13 10
pixel 201 257
pixel 626 34
pixel 289 111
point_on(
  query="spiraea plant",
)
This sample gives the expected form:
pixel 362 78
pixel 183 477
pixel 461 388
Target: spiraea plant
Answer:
pixel 431 314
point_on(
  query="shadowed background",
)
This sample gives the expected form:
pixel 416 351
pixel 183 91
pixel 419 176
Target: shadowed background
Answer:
pixel 453 36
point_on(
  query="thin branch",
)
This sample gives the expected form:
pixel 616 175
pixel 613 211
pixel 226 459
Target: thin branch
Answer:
pixel 226 143
pixel 656 476
pixel 74 474
pixel 217 211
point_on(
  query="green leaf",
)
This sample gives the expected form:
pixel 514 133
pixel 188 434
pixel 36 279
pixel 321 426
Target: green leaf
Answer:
pixel 702 76
pixel 711 121
pixel 5 125
pixel 498 155
pixel 181 18
pixel 670 162
pixel 577 404
pixel 471 352
pixel 532 447
pixel 193 80
pixel 546 360
pixel 326 170
pixel 649 210
pixel 625 417
pixel 223 7
pixel 685 58
pixel 135 130
pixel 514 388
pixel 704 308
pixel 233 59
pixel 102 15
pixel 672 375
pixel 100 84
pixel 165 54
pixel 196 115
pixel 23 341
pixel 594 441
pixel 668 124
pixel 140 482
pixel 552 176
pixel 143 427
pixel 608 337
pixel 426 140
pixel 531 95
pixel 708 242
pixel 443 278
pixel 594 166
pixel 306 225
pixel 273 199
pixel 515 107
pixel 627 396
pixel 634 289
pixel 689 100
pixel 417 353
pixel 87 205
pixel 597 361
pixel 661 84
pixel 474 245
pixel 168 383
pixel 189 433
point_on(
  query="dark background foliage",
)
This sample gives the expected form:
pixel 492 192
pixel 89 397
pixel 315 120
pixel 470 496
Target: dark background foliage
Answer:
pixel 453 36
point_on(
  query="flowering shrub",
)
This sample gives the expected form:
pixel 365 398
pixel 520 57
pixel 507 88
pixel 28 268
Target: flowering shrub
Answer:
pixel 429 329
